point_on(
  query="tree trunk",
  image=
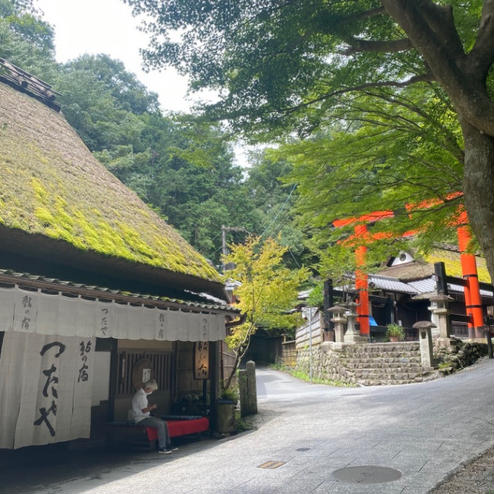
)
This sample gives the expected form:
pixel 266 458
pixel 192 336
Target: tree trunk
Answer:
pixel 478 185
pixel 228 382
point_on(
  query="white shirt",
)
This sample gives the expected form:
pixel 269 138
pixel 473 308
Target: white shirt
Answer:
pixel 139 402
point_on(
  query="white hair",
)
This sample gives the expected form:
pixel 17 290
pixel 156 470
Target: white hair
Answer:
pixel 151 384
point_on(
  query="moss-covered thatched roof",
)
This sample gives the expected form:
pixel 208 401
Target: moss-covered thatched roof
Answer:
pixel 52 185
pixel 423 266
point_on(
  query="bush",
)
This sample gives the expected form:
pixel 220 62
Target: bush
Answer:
pixel 229 394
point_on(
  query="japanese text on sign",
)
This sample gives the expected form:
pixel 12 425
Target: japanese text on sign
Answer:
pixel 84 349
pixel 27 304
pixel 50 389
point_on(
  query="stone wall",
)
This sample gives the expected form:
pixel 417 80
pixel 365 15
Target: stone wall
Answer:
pixel 366 364
pixel 326 365
pixel 458 355
pixel 384 363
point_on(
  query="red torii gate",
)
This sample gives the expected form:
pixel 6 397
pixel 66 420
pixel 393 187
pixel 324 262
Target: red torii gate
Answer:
pixel 473 302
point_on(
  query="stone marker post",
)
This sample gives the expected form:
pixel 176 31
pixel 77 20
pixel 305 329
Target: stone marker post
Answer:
pixel 248 390
pixel 425 339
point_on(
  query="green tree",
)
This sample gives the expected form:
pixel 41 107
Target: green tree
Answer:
pixel 104 103
pixel 180 166
pixel 26 40
pixel 273 201
pixel 282 65
pixel 191 178
pixel 268 289
pixel 403 149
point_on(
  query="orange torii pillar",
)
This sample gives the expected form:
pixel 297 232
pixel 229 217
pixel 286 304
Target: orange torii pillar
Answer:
pixel 473 302
pixel 361 283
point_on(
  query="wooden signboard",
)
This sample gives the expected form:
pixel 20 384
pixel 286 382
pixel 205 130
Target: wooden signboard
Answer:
pixel 201 360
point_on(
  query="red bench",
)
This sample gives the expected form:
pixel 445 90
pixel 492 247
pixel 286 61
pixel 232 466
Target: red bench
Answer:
pixel 177 428
pixel 140 436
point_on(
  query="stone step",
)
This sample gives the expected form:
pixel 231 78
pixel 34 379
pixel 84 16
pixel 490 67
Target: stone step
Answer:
pixel 379 356
pixel 403 360
pixel 382 348
pixel 394 353
pixel 383 382
pixel 383 365
pixel 401 373
pixel 391 351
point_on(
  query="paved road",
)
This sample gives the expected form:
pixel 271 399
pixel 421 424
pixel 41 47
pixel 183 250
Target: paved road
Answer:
pixel 422 430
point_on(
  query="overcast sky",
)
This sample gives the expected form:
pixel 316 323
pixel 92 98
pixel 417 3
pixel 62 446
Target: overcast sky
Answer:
pixel 107 26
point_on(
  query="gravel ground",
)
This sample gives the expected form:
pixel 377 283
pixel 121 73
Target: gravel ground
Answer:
pixel 475 477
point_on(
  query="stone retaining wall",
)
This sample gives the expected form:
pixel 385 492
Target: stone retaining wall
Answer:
pixel 366 364
pixel 325 365
pixel 384 363
pixel 459 355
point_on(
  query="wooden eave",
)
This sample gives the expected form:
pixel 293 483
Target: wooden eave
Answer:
pixel 55 258
pixel 30 282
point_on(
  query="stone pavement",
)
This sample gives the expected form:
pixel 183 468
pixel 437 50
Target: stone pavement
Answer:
pixel 474 477
pixel 305 433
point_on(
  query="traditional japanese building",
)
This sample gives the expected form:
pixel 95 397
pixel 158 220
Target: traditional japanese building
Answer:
pixel 403 290
pixel 97 293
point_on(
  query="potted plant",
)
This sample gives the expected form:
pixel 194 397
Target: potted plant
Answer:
pixel 225 411
pixel 395 332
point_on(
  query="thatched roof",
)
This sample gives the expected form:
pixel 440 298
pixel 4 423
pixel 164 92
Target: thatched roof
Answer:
pixel 53 188
pixel 424 267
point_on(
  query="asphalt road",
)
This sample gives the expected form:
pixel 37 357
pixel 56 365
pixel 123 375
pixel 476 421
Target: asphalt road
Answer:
pixel 306 433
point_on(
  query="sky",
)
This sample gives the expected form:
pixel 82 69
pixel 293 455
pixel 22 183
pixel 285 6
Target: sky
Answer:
pixel 107 26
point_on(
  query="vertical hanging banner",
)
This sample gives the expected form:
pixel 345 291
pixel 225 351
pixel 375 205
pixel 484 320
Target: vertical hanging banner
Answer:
pixel 45 384
pixel 25 311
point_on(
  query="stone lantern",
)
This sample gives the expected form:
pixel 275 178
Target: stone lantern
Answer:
pixel 352 335
pixel 425 339
pixel 339 321
pixel 440 311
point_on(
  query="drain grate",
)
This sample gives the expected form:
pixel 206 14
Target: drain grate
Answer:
pixel 302 449
pixel 366 474
pixel 272 464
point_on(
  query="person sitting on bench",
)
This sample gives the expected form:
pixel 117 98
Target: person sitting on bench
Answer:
pixel 140 413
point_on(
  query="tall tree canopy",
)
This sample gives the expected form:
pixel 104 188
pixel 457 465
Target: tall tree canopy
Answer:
pixel 281 66
pixel 273 203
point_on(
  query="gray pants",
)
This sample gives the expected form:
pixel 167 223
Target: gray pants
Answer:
pixel 161 428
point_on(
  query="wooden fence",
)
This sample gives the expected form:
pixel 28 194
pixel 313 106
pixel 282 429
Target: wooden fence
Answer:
pixel 312 328
pixel 288 356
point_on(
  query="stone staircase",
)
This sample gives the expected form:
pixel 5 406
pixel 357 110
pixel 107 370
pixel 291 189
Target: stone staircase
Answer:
pixel 383 363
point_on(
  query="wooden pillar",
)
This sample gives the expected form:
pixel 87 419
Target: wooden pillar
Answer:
pixel 361 283
pixel 440 272
pixel 213 380
pixel 327 303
